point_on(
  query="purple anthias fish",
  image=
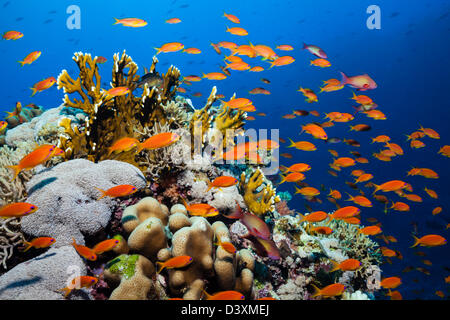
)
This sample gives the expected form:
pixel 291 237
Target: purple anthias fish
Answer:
pixel 315 50
pixel 361 82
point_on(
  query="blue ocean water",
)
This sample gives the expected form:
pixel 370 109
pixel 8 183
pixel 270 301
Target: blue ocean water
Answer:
pixel 407 57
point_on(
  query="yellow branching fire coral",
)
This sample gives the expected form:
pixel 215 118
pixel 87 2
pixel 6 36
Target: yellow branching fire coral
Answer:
pixel 262 201
pixel 111 118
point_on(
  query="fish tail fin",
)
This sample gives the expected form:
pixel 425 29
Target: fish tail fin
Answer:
pixel 335 266
pixel 292 143
pixel 416 242
pixel 184 202
pixel 344 79
pixel 351 197
pixel 316 291
pixel 206 294
pixel 283 179
pixel 34 91
pixel 66 291
pixel 302 217
pixel 158 50
pixel 305 46
pixel 21 63
pixel 10 114
pixel 159 267
pixel 139 147
pixel 297 190
pixel 117 21
pixel 283 168
pixel 27 246
pixel 103 193
pixel 210 185
pixel 16 169
pixel 377 187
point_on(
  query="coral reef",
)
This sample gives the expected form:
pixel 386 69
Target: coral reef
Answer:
pixel 157 234
pixel 42 277
pixel 67 198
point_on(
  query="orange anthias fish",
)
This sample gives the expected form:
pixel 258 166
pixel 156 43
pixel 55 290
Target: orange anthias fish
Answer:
pixel 360 200
pixel 346 265
pixel 123 145
pixel 345 212
pixel 323 63
pixel 231 17
pixel 29 59
pixel 12 35
pixel 225 295
pixel 17 209
pixel 370 230
pixel 200 209
pixel 431 240
pixel 237 31
pixel 302 145
pixel 316 216
pixel 307 191
pixel 259 90
pixel 430 132
pixel 362 99
pixel 78 283
pixel 282 61
pixel 43 85
pixel 160 140
pixel 105 245
pixel 445 151
pixel 222 182
pixel 227 246
pixel 284 47
pixel 237 103
pixel 309 94
pixel 314 130
pixel 436 211
pixel 170 47
pixel 192 51
pixel 292 177
pixel 192 78
pixel 298 167
pixel 175 262
pixel 131 22
pixel 84 251
pixel 101 59
pixel 322 230
pixel 173 20
pixel 42 242
pixel 332 290
pixel 117 191
pixel 117 92
pixel 392 185
pixel 391 282
pixel 214 76
pixel 40 155
pixel 400 206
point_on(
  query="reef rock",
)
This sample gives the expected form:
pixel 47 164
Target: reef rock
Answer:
pixel 67 198
pixel 42 277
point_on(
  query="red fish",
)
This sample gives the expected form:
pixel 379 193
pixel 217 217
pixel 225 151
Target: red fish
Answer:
pixel 361 82
pixel 175 262
pixel 43 85
pixel 225 295
pixel 84 251
pixel 42 242
pixel 117 191
pixel 78 283
pixel 38 156
pixel 17 209
pixel 105 245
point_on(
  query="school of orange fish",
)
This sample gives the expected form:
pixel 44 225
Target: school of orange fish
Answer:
pixel 293 174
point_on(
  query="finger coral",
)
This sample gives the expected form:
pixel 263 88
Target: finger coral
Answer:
pixel 259 195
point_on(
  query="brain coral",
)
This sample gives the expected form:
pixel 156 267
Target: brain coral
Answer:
pixel 41 277
pixel 67 199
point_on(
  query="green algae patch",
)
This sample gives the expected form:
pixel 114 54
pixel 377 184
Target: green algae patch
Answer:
pixel 124 264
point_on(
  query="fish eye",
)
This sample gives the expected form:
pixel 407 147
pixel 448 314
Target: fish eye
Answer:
pixel 32 207
pixel 52 240
pixel 133 188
